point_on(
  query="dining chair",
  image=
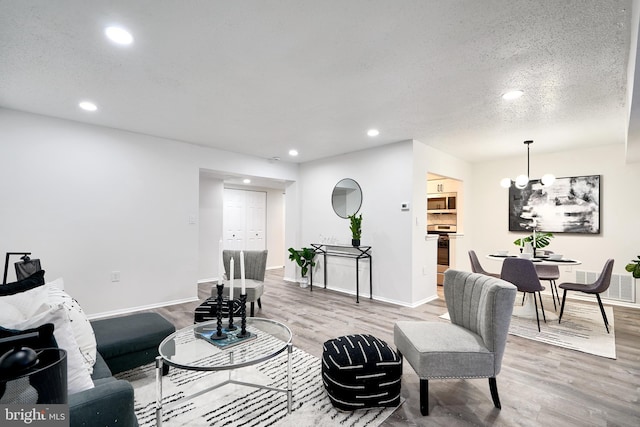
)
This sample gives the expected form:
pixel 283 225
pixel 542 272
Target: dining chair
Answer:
pixel 550 273
pixel 522 273
pixel 600 285
pixel 477 268
pixel 472 344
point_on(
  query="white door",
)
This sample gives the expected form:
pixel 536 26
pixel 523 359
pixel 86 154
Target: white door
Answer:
pixel 256 202
pixel 244 219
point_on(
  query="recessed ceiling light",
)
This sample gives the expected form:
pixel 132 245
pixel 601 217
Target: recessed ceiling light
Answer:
pixel 119 35
pixel 293 152
pixel 88 106
pixel 373 132
pixel 512 94
pixel 246 181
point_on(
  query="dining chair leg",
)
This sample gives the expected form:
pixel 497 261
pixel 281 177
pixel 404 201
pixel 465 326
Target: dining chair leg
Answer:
pixel 523 295
pixel 535 301
pixel 553 296
pixel 564 297
pixel 424 396
pixel 604 315
pixel 493 386
pixel 541 306
pixel 555 286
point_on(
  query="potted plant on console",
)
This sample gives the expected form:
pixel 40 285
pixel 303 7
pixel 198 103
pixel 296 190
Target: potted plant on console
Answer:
pixel 304 258
pixel 356 229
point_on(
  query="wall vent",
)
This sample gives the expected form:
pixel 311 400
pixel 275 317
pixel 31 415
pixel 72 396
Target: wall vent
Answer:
pixel 622 287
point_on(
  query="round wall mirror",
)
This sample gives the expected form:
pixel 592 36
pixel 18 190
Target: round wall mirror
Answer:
pixel 346 198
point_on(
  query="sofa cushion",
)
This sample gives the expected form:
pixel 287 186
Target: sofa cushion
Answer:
pixel 33 281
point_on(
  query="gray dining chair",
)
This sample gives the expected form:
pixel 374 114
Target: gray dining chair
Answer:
pixel 477 268
pixel 550 273
pixel 522 273
pixel 600 285
pixel 472 344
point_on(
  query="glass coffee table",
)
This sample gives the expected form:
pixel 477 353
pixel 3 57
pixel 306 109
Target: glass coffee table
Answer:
pixel 190 349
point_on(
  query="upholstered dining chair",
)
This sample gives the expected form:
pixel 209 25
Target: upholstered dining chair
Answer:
pixel 522 273
pixel 472 344
pixel 477 268
pixel 597 287
pixel 550 273
pixel 255 266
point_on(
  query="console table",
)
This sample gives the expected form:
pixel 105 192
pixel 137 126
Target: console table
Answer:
pixel 344 251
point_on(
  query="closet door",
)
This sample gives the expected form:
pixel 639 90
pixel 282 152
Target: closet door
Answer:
pixel 244 219
pixel 256 218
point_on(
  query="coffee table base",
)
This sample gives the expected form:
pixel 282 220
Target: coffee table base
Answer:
pixel 160 407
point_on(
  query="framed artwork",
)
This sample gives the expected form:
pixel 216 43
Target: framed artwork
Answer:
pixel 569 205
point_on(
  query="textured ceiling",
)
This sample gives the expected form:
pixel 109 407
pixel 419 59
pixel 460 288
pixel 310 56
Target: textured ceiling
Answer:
pixel 261 77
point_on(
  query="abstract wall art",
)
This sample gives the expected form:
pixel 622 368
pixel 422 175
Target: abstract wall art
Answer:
pixel 569 205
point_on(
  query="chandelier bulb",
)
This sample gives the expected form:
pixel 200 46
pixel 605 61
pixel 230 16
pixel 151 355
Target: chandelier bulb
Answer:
pixel 522 181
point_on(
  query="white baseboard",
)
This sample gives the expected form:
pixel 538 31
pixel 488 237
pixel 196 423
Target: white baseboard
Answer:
pixel 130 310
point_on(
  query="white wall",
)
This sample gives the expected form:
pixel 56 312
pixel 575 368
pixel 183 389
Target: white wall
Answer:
pixel 487 224
pixel 275 228
pixel 89 200
pixel 210 230
pixel 386 178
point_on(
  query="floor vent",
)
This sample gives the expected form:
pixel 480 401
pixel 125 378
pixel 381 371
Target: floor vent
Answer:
pixel 622 287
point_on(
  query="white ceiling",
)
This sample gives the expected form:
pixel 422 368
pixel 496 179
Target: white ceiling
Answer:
pixel 263 76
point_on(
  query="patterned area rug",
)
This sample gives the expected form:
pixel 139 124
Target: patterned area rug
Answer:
pixel 582 329
pixel 234 405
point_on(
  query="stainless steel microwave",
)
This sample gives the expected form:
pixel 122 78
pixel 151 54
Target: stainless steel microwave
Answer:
pixel 441 203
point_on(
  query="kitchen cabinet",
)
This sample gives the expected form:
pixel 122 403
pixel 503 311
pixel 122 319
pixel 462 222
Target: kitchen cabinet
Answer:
pixel 442 186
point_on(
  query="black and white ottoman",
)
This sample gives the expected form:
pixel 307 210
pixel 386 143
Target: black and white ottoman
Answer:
pixel 361 371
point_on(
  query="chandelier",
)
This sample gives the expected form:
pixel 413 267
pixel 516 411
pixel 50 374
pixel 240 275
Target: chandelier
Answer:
pixel 521 181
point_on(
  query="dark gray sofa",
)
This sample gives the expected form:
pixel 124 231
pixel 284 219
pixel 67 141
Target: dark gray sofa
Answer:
pixel 123 343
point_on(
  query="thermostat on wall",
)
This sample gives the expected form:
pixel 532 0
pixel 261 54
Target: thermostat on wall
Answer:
pixel 404 206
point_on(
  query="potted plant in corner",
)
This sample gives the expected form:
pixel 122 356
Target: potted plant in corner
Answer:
pixel 304 258
pixel 356 229
pixel 634 268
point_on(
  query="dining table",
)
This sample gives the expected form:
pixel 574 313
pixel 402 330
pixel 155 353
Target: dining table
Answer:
pixel 528 309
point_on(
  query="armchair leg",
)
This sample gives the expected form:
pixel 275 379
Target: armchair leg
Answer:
pixel 252 308
pixel 424 396
pixel 259 303
pixel 493 386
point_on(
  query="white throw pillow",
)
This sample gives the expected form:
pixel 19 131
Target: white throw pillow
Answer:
pixel 82 330
pixel 78 378
pixel 28 303
pixel 9 313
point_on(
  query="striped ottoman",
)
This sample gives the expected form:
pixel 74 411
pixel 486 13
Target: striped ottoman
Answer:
pixel 361 371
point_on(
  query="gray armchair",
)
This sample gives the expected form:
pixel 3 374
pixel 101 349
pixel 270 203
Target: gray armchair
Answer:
pixel 255 266
pixel 472 345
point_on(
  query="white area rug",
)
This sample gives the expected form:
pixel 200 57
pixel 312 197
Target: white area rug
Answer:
pixel 582 329
pixel 234 405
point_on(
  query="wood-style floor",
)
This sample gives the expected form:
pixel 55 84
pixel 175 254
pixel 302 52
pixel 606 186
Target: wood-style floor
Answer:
pixel 540 384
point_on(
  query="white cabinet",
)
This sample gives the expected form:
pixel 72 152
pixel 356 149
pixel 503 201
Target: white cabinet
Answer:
pixel 442 186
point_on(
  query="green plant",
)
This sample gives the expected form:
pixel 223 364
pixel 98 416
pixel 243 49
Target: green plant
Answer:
pixel 542 240
pixel 634 267
pixel 304 258
pixel 356 226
